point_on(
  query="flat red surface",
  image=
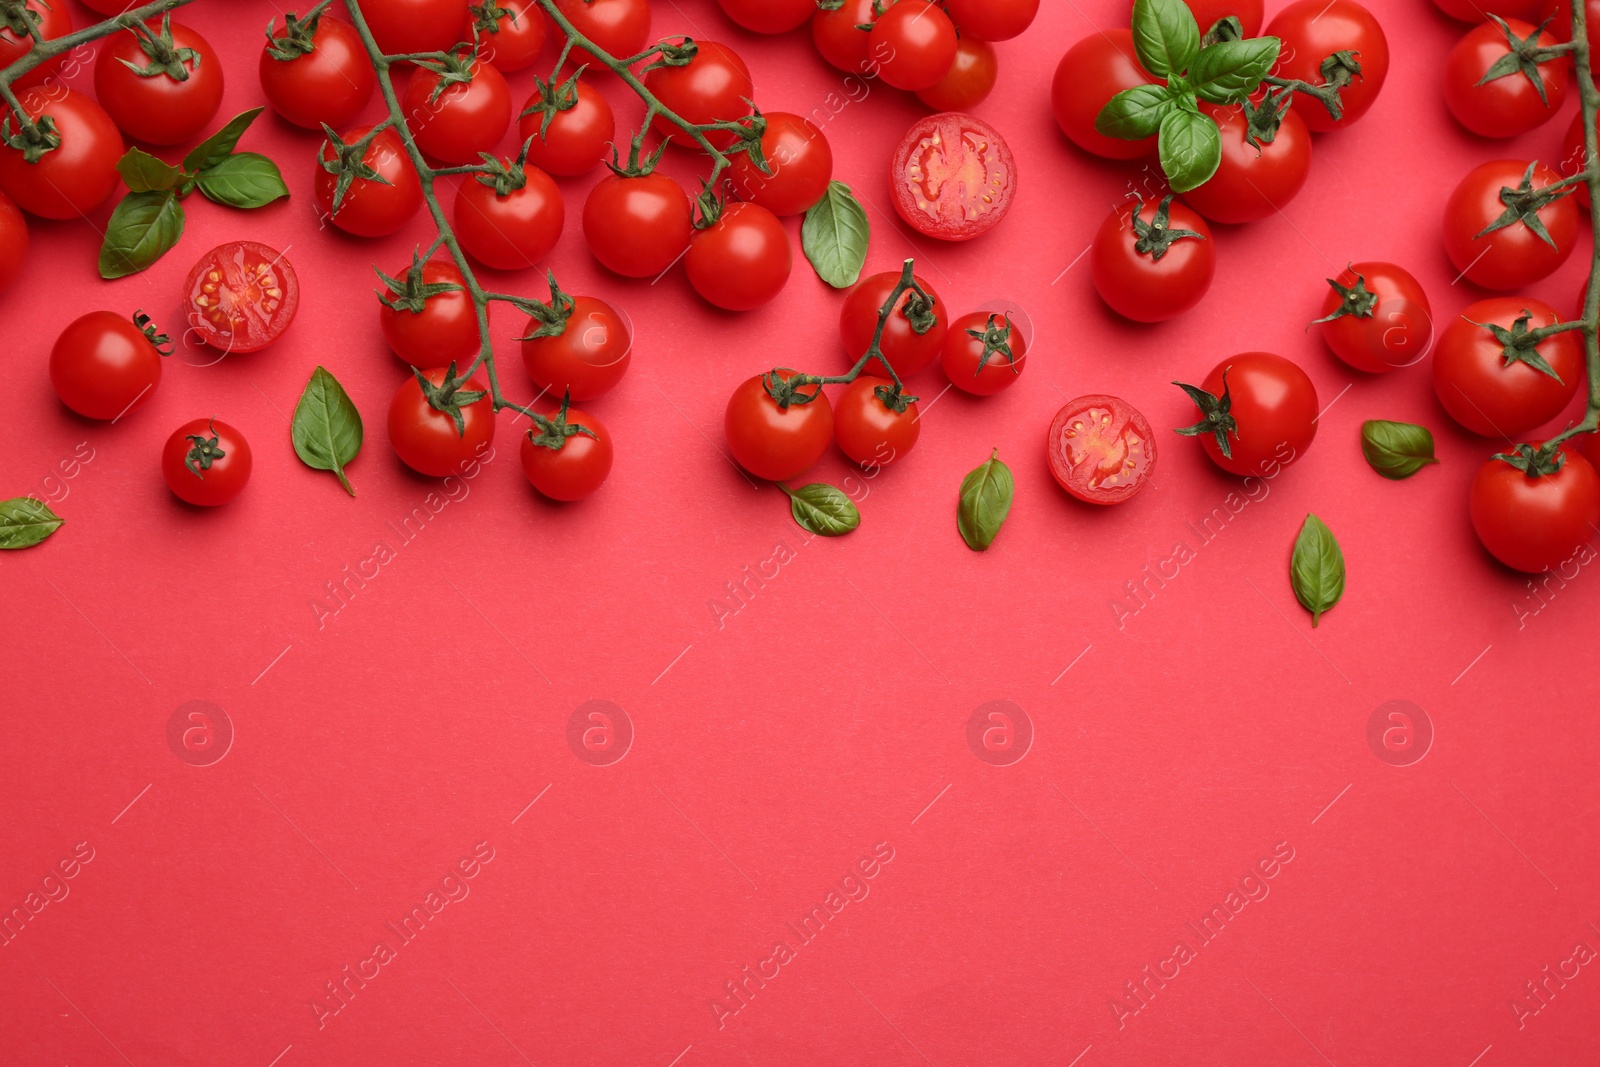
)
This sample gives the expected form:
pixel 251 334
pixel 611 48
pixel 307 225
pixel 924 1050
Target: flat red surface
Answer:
pixel 775 746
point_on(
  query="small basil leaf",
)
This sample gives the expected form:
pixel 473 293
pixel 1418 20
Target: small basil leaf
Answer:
pixel 24 522
pixel 243 180
pixel 327 427
pixel 1316 570
pixel 145 173
pixel 835 236
pixel 1396 449
pixel 220 145
pixel 1165 35
pixel 1229 71
pixel 823 510
pixel 985 502
pixel 1136 113
pixel 142 228
pixel 1191 149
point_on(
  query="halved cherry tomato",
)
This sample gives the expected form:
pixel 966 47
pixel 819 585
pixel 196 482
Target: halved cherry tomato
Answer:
pixel 242 296
pixel 772 442
pixel 371 208
pixel 868 429
pixel 1253 182
pixel 902 344
pixel 206 462
pixel 51 19
pixel 953 177
pixel 588 356
pixel 712 87
pixel 969 81
pixel 1093 71
pixel 742 260
pixel 984 352
pixel 329 84
pixel 1376 318
pixel 1533 521
pixel 799 164
pixel 568 456
pixel 1149 267
pixel 510 37
pixel 1101 449
pixel 104 365
pixel 575 141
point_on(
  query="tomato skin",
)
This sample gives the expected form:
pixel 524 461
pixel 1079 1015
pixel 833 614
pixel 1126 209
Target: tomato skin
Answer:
pixel 241 296
pixel 965 364
pixel 801 162
pixel 953 177
pixel 511 232
pixel 993 20
pixel 588 357
pixel 1208 12
pixel 207 487
pixel 159 109
pixel 769 16
pixel 1513 256
pixel 867 430
pixel 1573 153
pixel 1101 450
pixel 620 27
pixel 76 177
pixel 637 227
pixel 401 26
pixel 914 43
pixel 1559 14
pixel 516 38
pixel 445 330
pixel 1534 523
pixel 464 120
pixel 772 442
pixel 53 21
pixel 837 39
pixel 1508 106
pixel 1311 31
pixel 576 469
pixel 1477 10
pixel 1093 71
pixel 1489 398
pixel 103 365
pixel 742 260
pixel 13 243
pixel 426 440
pixel 1397 333
pixel 969 81
pixel 1253 184
pixel 109 7
pixel 332 84
pixel 372 209
pixel 711 87
pixel 1139 287
pixel 906 349
pixel 577 138
pixel 1275 406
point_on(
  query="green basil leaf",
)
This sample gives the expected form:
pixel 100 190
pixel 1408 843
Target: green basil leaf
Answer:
pixel 835 236
pixel 1229 71
pixel 24 522
pixel 327 427
pixel 1191 149
pixel 220 145
pixel 985 502
pixel 1136 113
pixel 1396 449
pixel 823 510
pixel 1165 35
pixel 1316 570
pixel 145 173
pixel 244 180
pixel 142 228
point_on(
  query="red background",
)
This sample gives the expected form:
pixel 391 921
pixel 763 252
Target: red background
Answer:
pixel 373 752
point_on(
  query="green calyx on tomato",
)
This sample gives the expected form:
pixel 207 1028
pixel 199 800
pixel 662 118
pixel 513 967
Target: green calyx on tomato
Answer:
pixel 1523 58
pixel 1523 204
pixel 1153 238
pixel 349 161
pixel 505 176
pixel 710 207
pixel 552 316
pixel 996 338
pixel 1519 344
pixel 553 432
pixel 1227 28
pixel 1535 461
pixel 453 68
pixel 33 139
pixel 1356 300
pixel 448 397
pixel 166 57
pixel 158 340
pixel 894 398
pixel 413 293
pixel 549 99
pixel 298 38
pixel 672 55
pixel 1215 415
pixel 791 390
pixel 203 451
pixel 487 15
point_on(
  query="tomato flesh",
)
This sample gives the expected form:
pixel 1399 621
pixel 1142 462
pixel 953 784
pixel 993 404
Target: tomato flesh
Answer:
pixel 1101 449
pixel 242 296
pixel 953 177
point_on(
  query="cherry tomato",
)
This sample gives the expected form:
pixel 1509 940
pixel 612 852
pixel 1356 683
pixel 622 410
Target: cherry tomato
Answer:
pixel 511 37
pixel 1478 10
pixel 712 87
pixel 241 296
pixel 993 20
pixel 983 353
pixel 1165 277
pixel 587 358
pixel 1558 13
pixel 466 118
pixel 1271 417
pixel 968 82
pixel 429 330
pixel 1093 71
pixel 149 101
pixel 110 7
pixel 1376 318
pixel 914 43
pixel 329 84
pixel 1207 13
pixel 513 231
pixel 868 430
pixel 1506 105
pixel 427 438
pixel 77 176
pixel 404 26
pixel 902 345
pixel 206 462
pixel 1311 31
pixel 570 457
pixel 953 177
pixel 1253 183
pixel 620 27
pixel 576 139
pixel 369 208
pixel 799 164
pixel 52 20
pixel 839 41
pixel 1534 521
pixel 637 227
pixel 772 442
pixel 104 365
pixel 769 16
pixel 13 243
pixel 1101 450
pixel 1573 153
pixel 1512 255
pixel 1494 396
pixel 742 260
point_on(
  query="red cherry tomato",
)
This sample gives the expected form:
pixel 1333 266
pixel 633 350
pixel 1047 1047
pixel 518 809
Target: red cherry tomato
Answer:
pixel 570 460
pixel 1508 105
pixel 914 44
pixel 51 19
pixel 1207 13
pixel 839 41
pixel 1533 522
pixel 103 365
pixel 110 7
pixel 1478 10
pixel 1093 71
pixel 993 20
pixel 513 231
pixel 1558 13
pixel 772 442
pixel 1101 449
pixel 77 176
pixel 1165 278
pixel 1496 397
pixel 968 82
pixel 904 347
pixel 427 439
pixel 466 118
pixel 1513 255
pixel 953 177
pixel 637 227
pixel 1573 153
pixel 1253 183
pixel 443 329
pixel 329 84
pixel 404 26
pixel 206 462
pixel 241 296
pixel 711 87
pixel 742 260
pixel 799 162
pixel 619 27
pixel 576 139
pixel 1270 421
pixel 868 430
pixel 13 243
pixel 369 208
pixel 1311 31
pixel 983 353
pixel 512 37
pixel 159 108
pixel 587 358
pixel 769 16
pixel 1376 318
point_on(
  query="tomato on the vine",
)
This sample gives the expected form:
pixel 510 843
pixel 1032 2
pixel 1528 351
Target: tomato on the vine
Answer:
pixel 160 82
pixel 1558 13
pixel 993 20
pixel 983 353
pixel 1506 244
pixel 73 179
pixel 742 260
pixel 370 208
pixel 567 455
pixel 637 226
pixel 241 296
pixel 769 16
pixel 914 333
pixel 13 243
pixel 1376 317
pixel 953 177
pixel 1152 260
pixel 1491 376
pixel 51 19
pixel 1101 449
pixel 1093 71
pixel 1532 512
pixel 799 164
pixel 868 428
pixel 1258 413
pixel 712 87
pixel 1493 84
pixel 1573 154
pixel 206 462
pixel 619 27
pixel 104 365
pixel 317 73
pixel 1207 13
pixel 509 33
pixel 576 138
pixel 969 81
pixel 441 431
pixel 406 26
pixel 1253 182
pixel 586 356
pixel 1314 30
pixel 428 316
pixel 776 442
pixel 838 39
pixel 914 43
pixel 513 229
pixel 458 112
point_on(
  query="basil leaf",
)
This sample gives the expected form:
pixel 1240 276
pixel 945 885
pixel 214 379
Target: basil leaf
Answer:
pixel 220 145
pixel 1191 149
pixel 327 427
pixel 835 236
pixel 822 509
pixel 243 180
pixel 1396 449
pixel 985 502
pixel 24 522
pixel 145 173
pixel 1316 570
pixel 1136 113
pixel 1229 71
pixel 1165 35
pixel 142 228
